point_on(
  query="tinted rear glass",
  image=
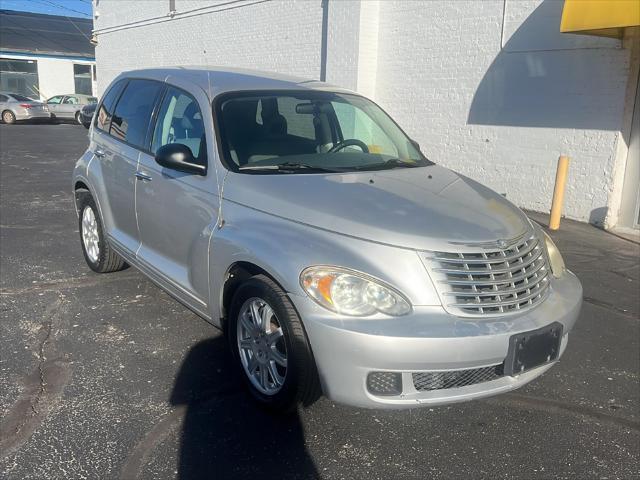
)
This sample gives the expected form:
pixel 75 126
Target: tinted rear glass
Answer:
pixel 131 118
pixel 106 107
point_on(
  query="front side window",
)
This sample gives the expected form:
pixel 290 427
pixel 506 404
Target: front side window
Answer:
pixel 282 132
pixel 55 100
pixel 180 121
pixel 103 118
pixel 132 115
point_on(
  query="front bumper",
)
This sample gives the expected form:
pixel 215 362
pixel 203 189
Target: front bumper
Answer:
pixel 347 349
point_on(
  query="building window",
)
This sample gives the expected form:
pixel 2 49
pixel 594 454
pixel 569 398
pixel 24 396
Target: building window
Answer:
pixel 82 79
pixel 19 76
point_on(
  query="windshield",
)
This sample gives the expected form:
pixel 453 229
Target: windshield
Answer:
pixel 280 132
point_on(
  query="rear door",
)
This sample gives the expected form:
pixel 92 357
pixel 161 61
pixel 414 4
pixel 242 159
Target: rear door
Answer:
pixel 121 130
pixel 177 210
pixel 68 107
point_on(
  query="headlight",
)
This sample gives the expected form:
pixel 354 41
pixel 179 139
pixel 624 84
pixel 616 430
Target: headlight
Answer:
pixel 352 293
pixel 555 259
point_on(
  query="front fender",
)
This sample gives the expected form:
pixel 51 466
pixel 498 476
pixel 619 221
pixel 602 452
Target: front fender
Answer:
pixel 284 248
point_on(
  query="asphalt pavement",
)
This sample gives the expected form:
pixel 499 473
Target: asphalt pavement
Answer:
pixel 106 376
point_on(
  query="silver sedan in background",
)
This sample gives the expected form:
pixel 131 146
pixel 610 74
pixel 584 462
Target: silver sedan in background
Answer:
pixel 69 106
pixel 14 107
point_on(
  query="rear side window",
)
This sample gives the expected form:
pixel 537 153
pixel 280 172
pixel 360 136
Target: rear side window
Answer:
pixel 103 118
pixel 132 115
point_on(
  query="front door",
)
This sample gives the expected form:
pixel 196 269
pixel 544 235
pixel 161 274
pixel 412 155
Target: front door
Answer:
pixel 177 211
pixel 54 104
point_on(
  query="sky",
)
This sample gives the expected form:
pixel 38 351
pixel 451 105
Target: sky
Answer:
pixel 69 8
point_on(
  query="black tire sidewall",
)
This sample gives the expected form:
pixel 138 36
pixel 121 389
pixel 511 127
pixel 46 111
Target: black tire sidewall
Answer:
pixel 286 398
pixel 86 201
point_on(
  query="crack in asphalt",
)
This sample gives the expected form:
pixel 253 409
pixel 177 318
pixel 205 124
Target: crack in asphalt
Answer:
pixel 41 360
pixel 560 407
pixel 609 306
pixel 41 388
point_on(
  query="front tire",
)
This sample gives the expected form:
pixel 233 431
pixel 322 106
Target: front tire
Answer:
pixel 96 249
pixel 8 117
pixel 78 119
pixel 270 346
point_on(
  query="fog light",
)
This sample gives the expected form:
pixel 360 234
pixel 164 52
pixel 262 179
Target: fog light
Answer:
pixel 384 383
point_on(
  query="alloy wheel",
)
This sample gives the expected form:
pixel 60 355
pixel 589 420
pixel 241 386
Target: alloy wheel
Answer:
pixel 262 346
pixel 90 237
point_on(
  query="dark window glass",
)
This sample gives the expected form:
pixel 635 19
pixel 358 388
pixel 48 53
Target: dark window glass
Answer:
pixel 322 130
pixel 82 79
pixel 70 100
pixel 133 112
pixel 180 121
pixel 4 98
pixel 103 118
pixel 19 76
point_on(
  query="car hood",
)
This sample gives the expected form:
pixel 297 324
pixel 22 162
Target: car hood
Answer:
pixel 424 208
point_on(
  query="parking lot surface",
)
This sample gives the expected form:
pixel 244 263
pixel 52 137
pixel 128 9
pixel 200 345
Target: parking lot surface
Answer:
pixel 106 376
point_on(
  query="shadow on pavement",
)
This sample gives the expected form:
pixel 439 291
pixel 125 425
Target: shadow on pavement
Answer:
pixel 225 434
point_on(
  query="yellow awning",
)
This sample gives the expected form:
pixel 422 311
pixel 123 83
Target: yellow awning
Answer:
pixel 607 18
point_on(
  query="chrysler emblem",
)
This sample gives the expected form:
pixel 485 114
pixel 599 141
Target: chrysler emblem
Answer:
pixel 502 243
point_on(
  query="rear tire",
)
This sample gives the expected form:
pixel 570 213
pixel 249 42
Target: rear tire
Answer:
pixel 298 382
pixel 8 117
pixel 96 249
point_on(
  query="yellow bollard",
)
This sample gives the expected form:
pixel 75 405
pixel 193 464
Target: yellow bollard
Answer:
pixel 558 192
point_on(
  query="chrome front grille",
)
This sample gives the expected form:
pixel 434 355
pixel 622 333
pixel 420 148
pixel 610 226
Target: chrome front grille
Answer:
pixel 425 381
pixel 491 281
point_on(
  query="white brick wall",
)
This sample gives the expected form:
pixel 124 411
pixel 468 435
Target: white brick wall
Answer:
pixel 284 37
pixel 489 88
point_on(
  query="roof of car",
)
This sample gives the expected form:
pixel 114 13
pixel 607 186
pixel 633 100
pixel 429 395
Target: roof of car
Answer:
pixel 216 80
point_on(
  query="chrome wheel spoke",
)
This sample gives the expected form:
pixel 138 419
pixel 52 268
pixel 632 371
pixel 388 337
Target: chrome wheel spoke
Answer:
pixel 262 355
pixel 267 313
pixel 275 375
pixel 274 335
pixel 255 313
pixel 278 357
pixel 264 377
pixel 252 365
pixel 247 324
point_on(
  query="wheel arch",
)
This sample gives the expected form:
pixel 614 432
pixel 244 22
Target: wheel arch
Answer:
pixel 235 275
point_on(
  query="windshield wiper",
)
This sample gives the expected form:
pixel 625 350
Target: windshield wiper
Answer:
pixel 288 166
pixel 391 163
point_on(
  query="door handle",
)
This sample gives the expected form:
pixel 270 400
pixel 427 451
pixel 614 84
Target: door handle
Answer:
pixel 99 153
pixel 143 176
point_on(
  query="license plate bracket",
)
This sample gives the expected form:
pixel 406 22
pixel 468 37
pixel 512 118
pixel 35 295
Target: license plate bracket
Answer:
pixel 533 349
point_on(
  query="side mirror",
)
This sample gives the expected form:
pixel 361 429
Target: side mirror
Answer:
pixel 179 157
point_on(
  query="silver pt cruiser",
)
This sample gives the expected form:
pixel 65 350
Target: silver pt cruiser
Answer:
pixel 301 219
